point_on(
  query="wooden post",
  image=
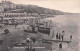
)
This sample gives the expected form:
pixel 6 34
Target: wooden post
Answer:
pixel 60 47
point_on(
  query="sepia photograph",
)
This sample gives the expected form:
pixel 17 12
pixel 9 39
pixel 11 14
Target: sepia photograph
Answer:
pixel 39 25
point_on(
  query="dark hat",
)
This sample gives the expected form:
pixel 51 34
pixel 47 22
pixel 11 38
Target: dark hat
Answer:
pixel 63 31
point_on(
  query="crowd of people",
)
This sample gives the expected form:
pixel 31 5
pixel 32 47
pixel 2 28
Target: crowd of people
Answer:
pixel 60 36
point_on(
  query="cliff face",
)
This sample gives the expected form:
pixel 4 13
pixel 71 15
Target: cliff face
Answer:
pixel 8 6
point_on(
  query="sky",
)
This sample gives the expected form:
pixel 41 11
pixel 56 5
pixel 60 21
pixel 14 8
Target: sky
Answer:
pixel 72 6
